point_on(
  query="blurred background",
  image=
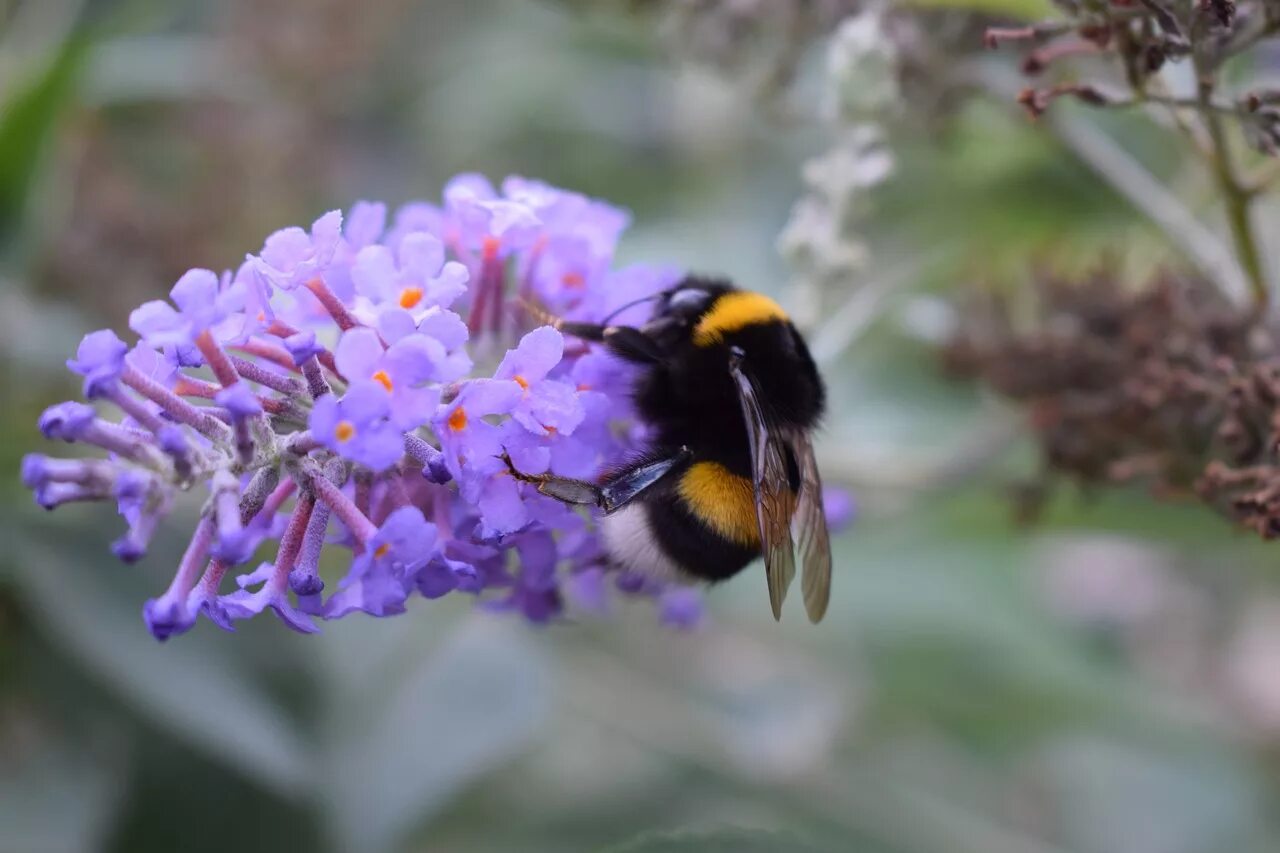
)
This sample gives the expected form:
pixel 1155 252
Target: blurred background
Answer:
pixel 1104 680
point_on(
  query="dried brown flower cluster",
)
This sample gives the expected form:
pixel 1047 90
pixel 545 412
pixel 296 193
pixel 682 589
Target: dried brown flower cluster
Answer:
pixel 1167 385
pixel 1141 36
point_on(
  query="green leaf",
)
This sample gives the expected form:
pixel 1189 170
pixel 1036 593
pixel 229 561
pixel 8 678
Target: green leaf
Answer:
pixel 433 725
pixel 727 840
pixel 53 797
pixel 186 687
pixel 1026 10
pixel 27 121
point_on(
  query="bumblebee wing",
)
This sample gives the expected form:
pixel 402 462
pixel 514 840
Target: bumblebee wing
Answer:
pixel 775 502
pixel 809 527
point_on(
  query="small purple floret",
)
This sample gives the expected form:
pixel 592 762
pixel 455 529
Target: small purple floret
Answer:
pixel 166 617
pixel 239 400
pixel 680 607
pixel 33 469
pixel 840 506
pixel 302 346
pixel 66 421
pixel 99 360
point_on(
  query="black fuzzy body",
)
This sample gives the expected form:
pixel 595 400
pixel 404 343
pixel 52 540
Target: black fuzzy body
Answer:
pixel 689 399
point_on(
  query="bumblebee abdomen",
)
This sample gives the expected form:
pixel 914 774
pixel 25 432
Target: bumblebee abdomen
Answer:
pixel 721 500
pixel 701 525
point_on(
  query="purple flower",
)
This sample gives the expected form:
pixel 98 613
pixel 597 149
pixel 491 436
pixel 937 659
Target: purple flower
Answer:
pixel 535 592
pixel 291 256
pixel 204 303
pixel 473 447
pixel 587 589
pixel 66 421
pixel 365 224
pixel 302 346
pixel 142 503
pixel 840 506
pixel 357 426
pixel 239 400
pixel 325 393
pixel 402 370
pixel 273 594
pixel 546 405
pixel 568 214
pixel 387 571
pixel 416 279
pixel 99 360
pixel 680 607
pixel 442 326
pixel 160 367
pixel 415 218
pixel 485 221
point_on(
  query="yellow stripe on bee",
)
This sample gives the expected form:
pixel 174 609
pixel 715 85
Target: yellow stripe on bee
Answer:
pixel 733 311
pixel 722 500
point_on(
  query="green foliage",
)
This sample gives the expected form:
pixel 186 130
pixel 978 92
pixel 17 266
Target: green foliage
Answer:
pixel 1023 10
pixel 29 114
pixel 720 841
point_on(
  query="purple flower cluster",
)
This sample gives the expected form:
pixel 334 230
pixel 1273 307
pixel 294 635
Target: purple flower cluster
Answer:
pixel 327 396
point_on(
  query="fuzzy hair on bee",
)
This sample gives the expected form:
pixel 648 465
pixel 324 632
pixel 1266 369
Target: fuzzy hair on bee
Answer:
pixel 732 397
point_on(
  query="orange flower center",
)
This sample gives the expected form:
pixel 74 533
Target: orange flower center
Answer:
pixel 381 550
pixel 458 420
pixel 410 296
pixel 582 386
pixel 345 431
pixel 490 247
pixel 573 280
pixel 382 378
pixel 522 382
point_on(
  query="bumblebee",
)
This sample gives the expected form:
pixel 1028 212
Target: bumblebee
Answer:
pixel 732 396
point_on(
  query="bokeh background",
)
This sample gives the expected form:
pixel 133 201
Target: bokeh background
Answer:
pixel 1106 680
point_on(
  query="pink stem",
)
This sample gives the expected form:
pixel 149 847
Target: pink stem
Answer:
pixel 332 304
pixel 276 500
pixel 218 360
pixel 291 541
pixel 356 521
pixel 192 559
pixel 271 352
pixel 211 580
pixel 257 373
pixel 176 407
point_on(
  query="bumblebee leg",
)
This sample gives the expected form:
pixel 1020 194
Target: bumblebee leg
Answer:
pixel 632 344
pixel 623 341
pixel 612 495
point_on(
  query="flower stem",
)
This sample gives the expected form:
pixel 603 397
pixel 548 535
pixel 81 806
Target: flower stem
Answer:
pixel 1235 195
pixel 219 361
pixel 332 304
pixel 176 407
pixel 356 521
pixel 317 385
pixel 291 541
pixel 255 372
pixel 192 560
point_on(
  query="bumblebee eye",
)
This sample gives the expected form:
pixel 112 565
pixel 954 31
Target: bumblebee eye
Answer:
pixel 688 301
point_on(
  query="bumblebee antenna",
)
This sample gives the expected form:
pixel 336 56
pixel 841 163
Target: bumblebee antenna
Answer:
pixel 538 312
pixel 633 303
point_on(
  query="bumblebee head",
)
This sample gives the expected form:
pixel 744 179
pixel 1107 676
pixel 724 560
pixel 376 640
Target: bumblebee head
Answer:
pixel 723 323
pixel 687 302
pixel 708 308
